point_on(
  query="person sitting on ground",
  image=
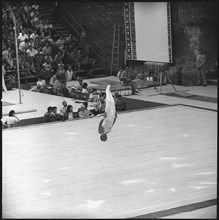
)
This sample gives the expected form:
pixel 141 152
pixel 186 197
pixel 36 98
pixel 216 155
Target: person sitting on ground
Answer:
pixel 80 86
pixel 54 116
pixel 47 114
pixel 70 113
pixel 94 96
pixel 40 85
pixel 85 88
pixel 83 111
pixel 11 120
pixel 63 111
pixel 120 103
pixel 99 107
pixel 126 79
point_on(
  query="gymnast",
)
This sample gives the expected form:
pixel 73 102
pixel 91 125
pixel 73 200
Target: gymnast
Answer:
pixel 110 116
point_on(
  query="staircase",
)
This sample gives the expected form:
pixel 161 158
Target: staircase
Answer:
pixel 46 10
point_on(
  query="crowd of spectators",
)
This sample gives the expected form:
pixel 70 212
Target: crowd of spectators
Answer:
pixel 68 112
pixel 40 52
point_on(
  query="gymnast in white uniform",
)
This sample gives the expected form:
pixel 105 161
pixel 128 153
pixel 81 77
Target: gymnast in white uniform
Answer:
pixel 110 116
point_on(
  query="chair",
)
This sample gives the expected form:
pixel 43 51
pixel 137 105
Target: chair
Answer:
pixel 124 86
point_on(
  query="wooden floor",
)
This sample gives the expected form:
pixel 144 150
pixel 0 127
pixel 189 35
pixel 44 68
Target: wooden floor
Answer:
pixel 153 160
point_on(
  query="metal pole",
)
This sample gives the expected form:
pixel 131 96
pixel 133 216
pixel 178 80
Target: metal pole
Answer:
pixel 17 59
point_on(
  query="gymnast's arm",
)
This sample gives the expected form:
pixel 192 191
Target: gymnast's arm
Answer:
pixel 101 129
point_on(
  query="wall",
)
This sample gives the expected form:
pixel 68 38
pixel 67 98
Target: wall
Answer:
pixel 194 25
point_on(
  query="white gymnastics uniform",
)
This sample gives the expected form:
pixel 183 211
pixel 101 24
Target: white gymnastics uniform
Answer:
pixel 110 109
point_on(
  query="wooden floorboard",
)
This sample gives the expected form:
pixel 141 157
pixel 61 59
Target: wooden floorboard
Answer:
pixel 153 160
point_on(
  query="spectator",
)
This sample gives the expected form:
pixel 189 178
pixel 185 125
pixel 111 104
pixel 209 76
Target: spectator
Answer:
pixel 83 111
pixel 141 75
pixel 80 86
pixel 201 66
pixel 60 43
pixel 94 96
pixel 40 85
pixel 47 49
pixel 85 88
pixel 126 79
pixel 47 69
pixel 47 114
pixel 69 74
pixel 11 120
pixel 58 58
pixel 70 113
pixel 120 103
pixel 23 46
pixel 52 80
pixel 34 35
pixel 54 116
pixel 99 107
pixel 22 36
pixel 63 111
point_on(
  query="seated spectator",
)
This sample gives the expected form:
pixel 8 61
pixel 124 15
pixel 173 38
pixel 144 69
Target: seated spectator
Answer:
pixel 58 58
pixel 34 35
pixel 22 36
pixel 80 86
pixel 40 85
pixel 99 107
pixel 47 49
pixel 54 116
pixel 23 46
pixel 60 43
pixel 120 103
pixel 141 75
pixel 69 74
pixel 47 114
pixel 11 120
pixel 52 80
pixel 63 111
pixel 94 96
pixel 31 51
pixel 85 88
pixel 126 79
pixel 47 69
pixel 83 111
pixel 37 62
pixel 70 113
pixel 49 57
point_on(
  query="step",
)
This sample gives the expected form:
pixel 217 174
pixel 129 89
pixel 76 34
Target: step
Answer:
pixel 62 32
pixel 212 82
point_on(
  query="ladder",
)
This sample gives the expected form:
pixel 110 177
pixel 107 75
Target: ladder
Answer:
pixel 115 49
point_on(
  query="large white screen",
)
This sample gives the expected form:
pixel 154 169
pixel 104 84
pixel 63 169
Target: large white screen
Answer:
pixel 151 28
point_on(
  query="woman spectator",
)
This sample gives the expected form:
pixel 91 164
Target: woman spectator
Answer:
pixel 70 113
pixel 11 120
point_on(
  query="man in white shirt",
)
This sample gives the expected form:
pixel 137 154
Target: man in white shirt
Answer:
pixel 31 51
pixel 22 36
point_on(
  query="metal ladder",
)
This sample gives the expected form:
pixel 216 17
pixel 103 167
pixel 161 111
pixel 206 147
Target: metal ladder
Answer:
pixel 115 49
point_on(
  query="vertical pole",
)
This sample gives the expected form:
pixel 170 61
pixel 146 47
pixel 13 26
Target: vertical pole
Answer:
pixel 18 71
pixel 16 48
